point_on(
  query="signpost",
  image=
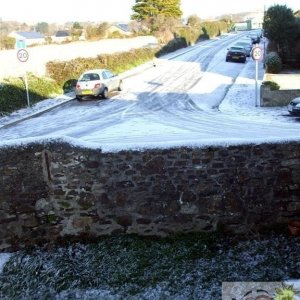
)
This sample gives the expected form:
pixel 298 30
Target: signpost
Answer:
pixel 23 56
pixel 256 54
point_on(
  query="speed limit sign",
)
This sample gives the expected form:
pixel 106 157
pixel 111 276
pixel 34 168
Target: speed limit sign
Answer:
pixel 257 53
pixel 22 55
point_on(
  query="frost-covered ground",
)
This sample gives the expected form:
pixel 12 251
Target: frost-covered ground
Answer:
pixel 127 267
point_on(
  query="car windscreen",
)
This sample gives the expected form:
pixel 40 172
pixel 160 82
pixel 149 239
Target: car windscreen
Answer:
pixel 236 49
pixel 89 77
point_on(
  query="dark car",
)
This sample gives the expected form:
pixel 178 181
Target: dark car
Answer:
pixel 246 45
pixel 294 107
pixel 236 53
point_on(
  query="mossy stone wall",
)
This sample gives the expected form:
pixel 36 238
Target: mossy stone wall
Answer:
pixel 52 191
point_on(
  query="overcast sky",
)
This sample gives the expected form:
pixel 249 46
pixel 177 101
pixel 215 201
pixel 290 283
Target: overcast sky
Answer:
pixel 61 11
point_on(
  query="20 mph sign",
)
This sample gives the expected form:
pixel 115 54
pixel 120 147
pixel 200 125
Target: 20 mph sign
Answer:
pixel 22 55
pixel 257 53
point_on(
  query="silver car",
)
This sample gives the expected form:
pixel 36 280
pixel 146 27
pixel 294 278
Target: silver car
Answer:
pixel 97 83
pixel 294 107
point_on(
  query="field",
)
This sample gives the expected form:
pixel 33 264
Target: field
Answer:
pixel 40 55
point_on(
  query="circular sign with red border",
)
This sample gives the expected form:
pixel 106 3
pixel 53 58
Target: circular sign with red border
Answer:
pixel 22 55
pixel 257 53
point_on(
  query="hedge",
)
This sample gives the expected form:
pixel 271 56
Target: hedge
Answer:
pixel 173 45
pixel 65 73
pixel 273 63
pixel 13 91
pixel 271 84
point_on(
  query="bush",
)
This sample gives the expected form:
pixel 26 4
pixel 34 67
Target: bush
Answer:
pixel 116 35
pixel 13 91
pixel 213 29
pixel 173 45
pixel 7 43
pixel 64 71
pixel 271 84
pixel 273 63
pixel 191 35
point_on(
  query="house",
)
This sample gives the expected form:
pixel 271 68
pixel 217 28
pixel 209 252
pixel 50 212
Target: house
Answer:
pixel 30 37
pixel 252 20
pixel 119 28
pixel 61 36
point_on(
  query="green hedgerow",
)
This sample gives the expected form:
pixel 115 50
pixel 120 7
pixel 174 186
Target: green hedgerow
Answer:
pixel 273 62
pixel 64 72
pixel 13 91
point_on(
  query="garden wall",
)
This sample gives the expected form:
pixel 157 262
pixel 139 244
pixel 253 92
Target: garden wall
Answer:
pixel 289 89
pixel 49 192
pixel 270 98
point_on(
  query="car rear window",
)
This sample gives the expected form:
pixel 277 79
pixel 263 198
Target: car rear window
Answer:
pixel 236 49
pixel 89 77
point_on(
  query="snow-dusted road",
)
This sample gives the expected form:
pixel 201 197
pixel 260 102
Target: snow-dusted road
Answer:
pixel 190 97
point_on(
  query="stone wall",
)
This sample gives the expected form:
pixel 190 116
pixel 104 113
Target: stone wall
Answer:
pixel 51 191
pixel 270 98
pixel 289 89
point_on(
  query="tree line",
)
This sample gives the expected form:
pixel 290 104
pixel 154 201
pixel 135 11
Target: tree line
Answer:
pixel 162 18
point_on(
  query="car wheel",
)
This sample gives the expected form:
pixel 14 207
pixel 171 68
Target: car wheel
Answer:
pixel 244 61
pixel 227 60
pixel 105 93
pixel 79 98
pixel 120 86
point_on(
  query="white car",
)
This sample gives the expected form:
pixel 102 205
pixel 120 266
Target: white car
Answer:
pixel 97 83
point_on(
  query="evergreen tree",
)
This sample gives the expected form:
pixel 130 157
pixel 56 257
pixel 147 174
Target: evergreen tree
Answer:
pixel 144 9
pixel 280 25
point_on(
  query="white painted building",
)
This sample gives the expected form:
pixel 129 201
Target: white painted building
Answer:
pixel 30 37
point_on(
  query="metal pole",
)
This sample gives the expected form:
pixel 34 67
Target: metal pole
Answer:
pixel 256 85
pixel 26 86
pixel 264 51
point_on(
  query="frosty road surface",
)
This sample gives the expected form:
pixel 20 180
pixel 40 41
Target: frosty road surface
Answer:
pixel 190 98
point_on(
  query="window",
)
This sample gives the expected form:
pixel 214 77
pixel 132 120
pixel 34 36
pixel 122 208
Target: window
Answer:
pixel 109 74
pixel 90 77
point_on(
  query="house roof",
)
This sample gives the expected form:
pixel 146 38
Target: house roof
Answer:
pixel 30 35
pixel 124 27
pixel 62 33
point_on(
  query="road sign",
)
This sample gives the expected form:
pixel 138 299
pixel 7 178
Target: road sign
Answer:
pixel 22 55
pixel 257 53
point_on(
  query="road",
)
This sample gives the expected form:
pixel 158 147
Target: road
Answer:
pixel 191 97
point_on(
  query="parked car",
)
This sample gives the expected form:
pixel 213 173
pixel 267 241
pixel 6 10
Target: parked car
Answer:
pixel 245 45
pixel 294 107
pixel 97 83
pixel 236 53
pixel 255 38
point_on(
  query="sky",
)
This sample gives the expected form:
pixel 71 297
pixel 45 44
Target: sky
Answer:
pixel 32 11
